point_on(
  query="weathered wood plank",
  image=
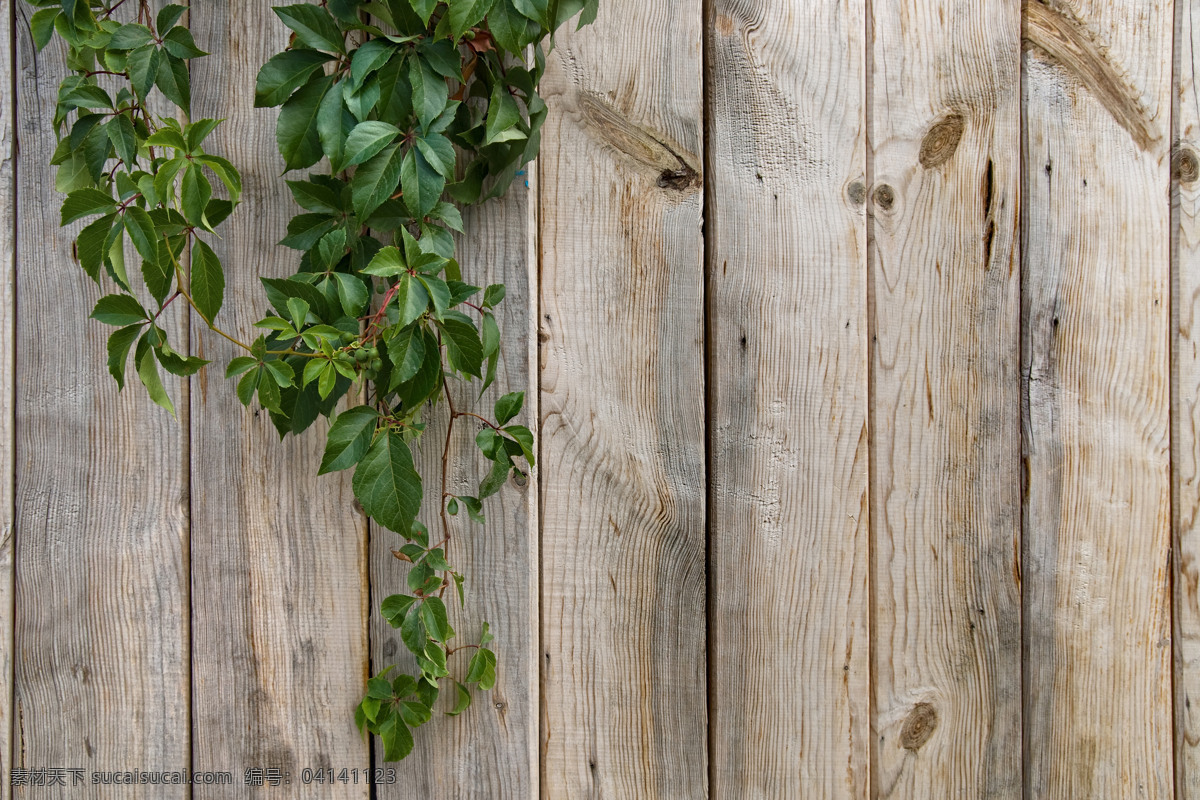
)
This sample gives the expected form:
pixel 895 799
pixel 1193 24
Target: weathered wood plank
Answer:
pixel 622 418
pixel 279 555
pixel 8 308
pixel 101 675
pixel 490 750
pixel 1096 365
pixel 1185 398
pixel 945 488
pixel 788 370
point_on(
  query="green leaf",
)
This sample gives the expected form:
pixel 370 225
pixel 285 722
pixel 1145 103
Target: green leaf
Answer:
pixel 439 293
pixel 118 351
pixel 463 347
pixel 313 25
pixel 367 139
pixel 415 713
pixel 387 485
pixel 429 91
pixel 411 299
pixel 433 615
pixel 173 81
pixel 508 407
pixel 463 701
pixel 280 289
pixel 524 437
pixel 503 115
pixel 423 9
pixel 130 37
pixel 386 263
pixel 353 294
pixel 147 368
pixel 247 385
pixel 466 14
pixel 368 58
pixel 411 631
pixel 298 310
pixel 493 295
pixel 84 203
pixel 41 25
pixel 119 309
pixel 376 180
pixel 283 74
pixel 208 280
pixel 121 133
pixel 296 132
pixel 239 365
pixel 334 123
pixel 421 183
pixel 482 669
pixel 92 245
pixel 305 230
pixel 315 197
pixel 168 16
pixel 159 272
pixel 490 335
pixel 176 364
pixel 282 372
pixel 439 153
pixel 141 232
pixel 194 193
pixel 397 739
pixel 142 67
pixel 395 607
pixel 406 350
pixel 349 439
pixel 179 43
pixel 495 479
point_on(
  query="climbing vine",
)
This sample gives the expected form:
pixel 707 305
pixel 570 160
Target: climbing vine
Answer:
pixel 399 107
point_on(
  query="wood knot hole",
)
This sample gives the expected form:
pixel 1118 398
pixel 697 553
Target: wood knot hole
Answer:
pixel 857 193
pixel 941 141
pixel 677 179
pixel 1185 166
pixel 885 196
pixel 918 726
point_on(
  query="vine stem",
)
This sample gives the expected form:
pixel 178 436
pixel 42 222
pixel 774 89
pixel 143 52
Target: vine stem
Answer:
pixel 446 455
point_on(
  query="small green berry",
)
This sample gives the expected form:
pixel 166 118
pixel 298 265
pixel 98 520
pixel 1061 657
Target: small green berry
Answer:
pixel 361 356
pixel 373 352
pixel 376 364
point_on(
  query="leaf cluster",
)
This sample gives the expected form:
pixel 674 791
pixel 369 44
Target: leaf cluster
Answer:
pixel 392 115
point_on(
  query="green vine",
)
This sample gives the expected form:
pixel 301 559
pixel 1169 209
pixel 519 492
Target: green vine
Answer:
pixel 407 102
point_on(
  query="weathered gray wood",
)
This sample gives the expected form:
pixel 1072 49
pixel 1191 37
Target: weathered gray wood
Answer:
pixel 101 675
pixel 787 354
pixel 945 488
pixel 8 299
pixel 1185 399
pixel 1095 360
pixel 491 749
pixel 279 555
pixel 622 417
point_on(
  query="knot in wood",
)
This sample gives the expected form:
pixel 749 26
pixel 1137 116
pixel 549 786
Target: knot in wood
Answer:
pixel 941 141
pixel 885 196
pixel 918 726
pixel 857 193
pixel 1185 166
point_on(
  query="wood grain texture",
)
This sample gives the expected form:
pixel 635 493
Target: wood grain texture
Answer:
pixel 8 311
pixel 279 555
pixel 945 484
pixel 1095 365
pixel 491 750
pixel 787 350
pixel 1185 397
pixel 101 504
pixel 622 420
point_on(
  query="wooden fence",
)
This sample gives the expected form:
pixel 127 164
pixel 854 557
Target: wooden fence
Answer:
pixel 860 339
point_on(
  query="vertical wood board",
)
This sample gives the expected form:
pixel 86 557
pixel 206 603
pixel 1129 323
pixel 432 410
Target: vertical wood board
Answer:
pixel 1095 366
pixel 787 359
pixel 622 414
pixel 279 557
